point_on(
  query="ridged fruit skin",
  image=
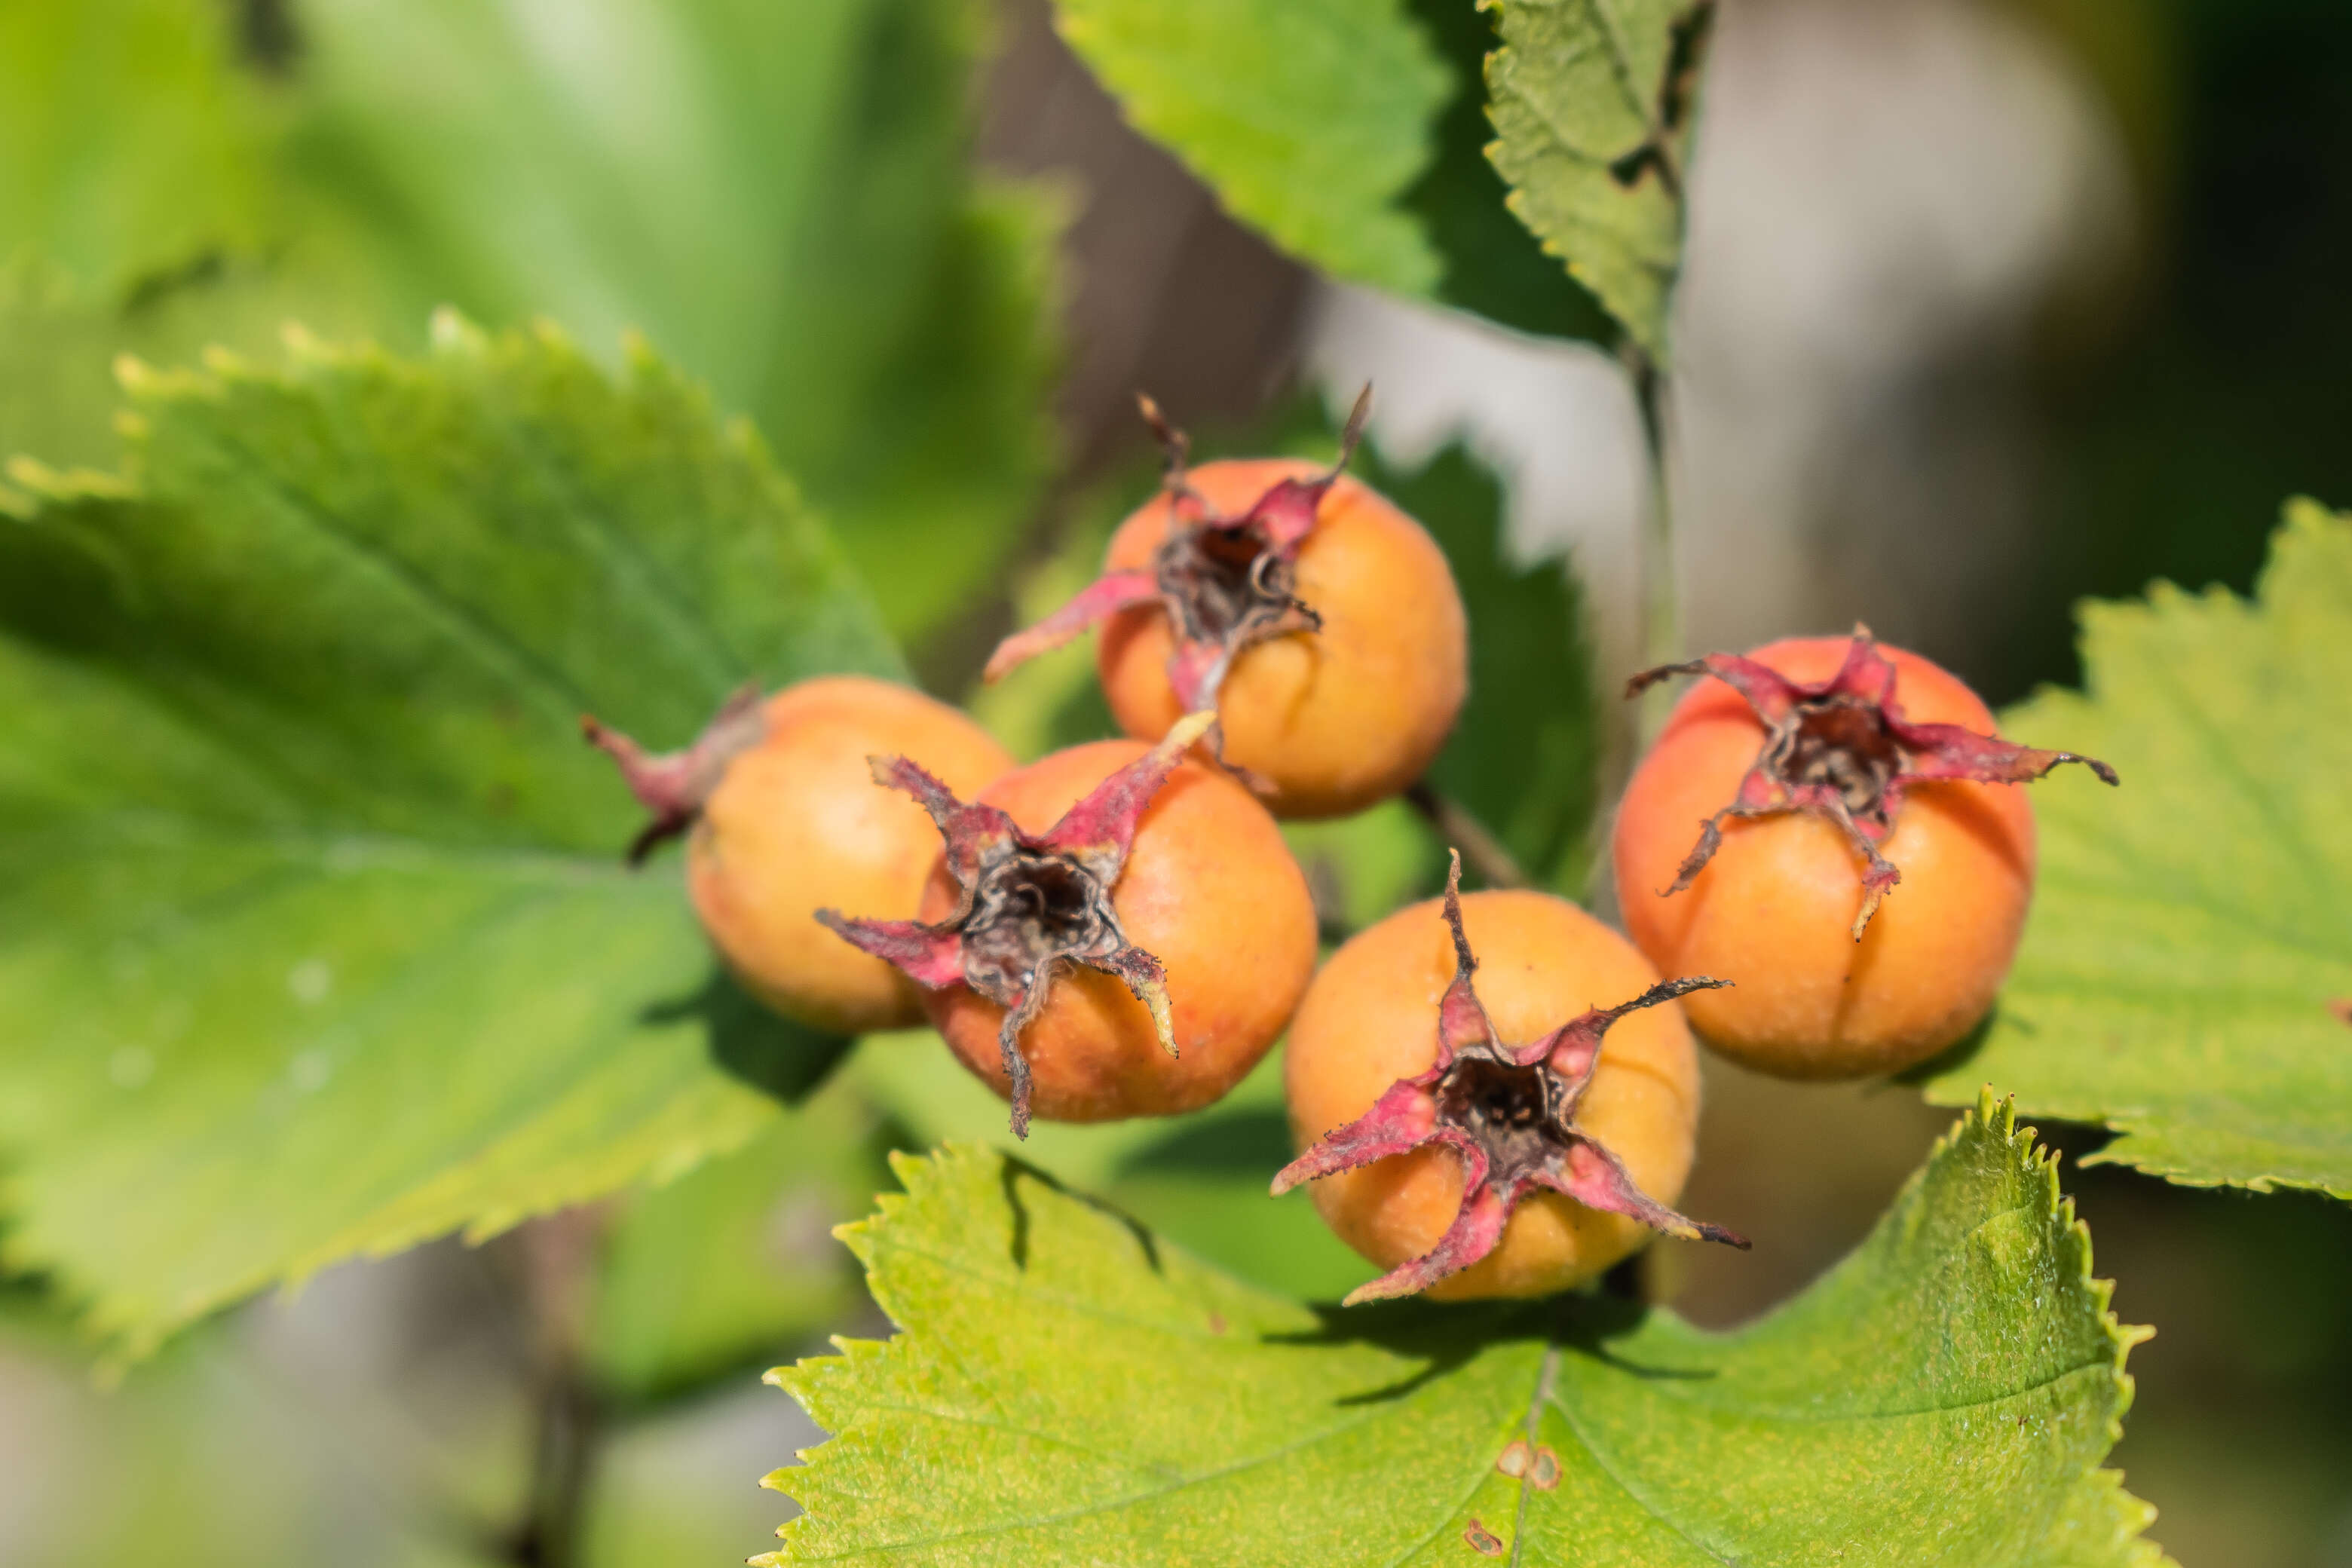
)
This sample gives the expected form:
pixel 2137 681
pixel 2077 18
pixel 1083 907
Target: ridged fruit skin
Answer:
pixel 1370 1018
pixel 1772 912
pixel 1336 719
pixel 797 824
pixel 1210 890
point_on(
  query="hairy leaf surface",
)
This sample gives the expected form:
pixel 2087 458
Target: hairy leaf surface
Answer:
pixel 2186 976
pixel 1594 104
pixel 314 936
pixel 1068 1388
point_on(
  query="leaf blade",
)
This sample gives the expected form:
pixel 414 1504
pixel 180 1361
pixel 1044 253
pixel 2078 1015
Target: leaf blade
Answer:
pixel 318 941
pixel 2176 974
pixel 1066 1388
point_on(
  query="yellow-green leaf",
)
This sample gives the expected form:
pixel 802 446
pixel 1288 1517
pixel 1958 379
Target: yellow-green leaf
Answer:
pixel 314 935
pixel 2186 976
pixel 1066 1388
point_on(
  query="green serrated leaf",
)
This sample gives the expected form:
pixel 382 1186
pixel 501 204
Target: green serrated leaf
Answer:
pixel 1308 118
pixel 2186 976
pixel 1595 103
pixel 1493 264
pixel 1066 1388
pixel 314 938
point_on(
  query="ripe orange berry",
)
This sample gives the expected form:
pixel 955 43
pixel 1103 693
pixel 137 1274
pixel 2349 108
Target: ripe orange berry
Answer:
pixel 1816 774
pixel 1111 933
pixel 1470 1166
pixel 782 816
pixel 1321 623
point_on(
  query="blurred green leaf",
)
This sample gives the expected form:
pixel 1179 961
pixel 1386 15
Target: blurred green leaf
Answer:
pixel 1595 103
pixel 1308 118
pixel 778 196
pixel 1069 1388
pixel 2186 977
pixel 1201 1178
pixel 735 1261
pixel 127 148
pixel 314 938
pixel 1525 755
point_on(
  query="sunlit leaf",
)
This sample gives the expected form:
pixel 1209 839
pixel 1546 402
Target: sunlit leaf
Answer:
pixel 1068 1388
pixel 2186 977
pixel 1308 118
pixel 314 938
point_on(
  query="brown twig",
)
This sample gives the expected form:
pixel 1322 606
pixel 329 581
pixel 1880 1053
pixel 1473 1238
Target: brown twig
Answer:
pixel 1481 850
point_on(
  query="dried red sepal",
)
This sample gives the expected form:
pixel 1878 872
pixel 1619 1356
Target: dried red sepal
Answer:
pixel 1508 1113
pixel 1841 750
pixel 1031 906
pixel 674 785
pixel 1227 583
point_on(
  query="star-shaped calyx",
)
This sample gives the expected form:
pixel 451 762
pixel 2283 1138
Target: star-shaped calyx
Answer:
pixel 1841 750
pixel 1227 583
pixel 1509 1113
pixel 674 785
pixel 1032 905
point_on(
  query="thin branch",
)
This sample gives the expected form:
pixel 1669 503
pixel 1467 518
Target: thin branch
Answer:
pixel 1661 602
pixel 559 1262
pixel 1485 852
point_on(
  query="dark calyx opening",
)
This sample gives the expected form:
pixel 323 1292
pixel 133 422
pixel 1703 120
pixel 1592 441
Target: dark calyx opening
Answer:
pixel 1223 579
pixel 1035 905
pixel 1840 742
pixel 1512 1111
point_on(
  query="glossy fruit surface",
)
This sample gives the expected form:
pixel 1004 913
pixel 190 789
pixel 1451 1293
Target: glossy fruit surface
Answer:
pixel 796 823
pixel 1773 911
pixel 1334 719
pixel 1210 890
pixel 1370 1019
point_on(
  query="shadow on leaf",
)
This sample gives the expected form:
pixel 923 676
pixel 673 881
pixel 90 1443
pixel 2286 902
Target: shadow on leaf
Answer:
pixel 1013 1170
pixel 776 1056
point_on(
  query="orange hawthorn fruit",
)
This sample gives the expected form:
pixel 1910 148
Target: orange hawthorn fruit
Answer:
pixel 1112 931
pixel 780 815
pixel 1831 824
pixel 1513 1134
pixel 1319 621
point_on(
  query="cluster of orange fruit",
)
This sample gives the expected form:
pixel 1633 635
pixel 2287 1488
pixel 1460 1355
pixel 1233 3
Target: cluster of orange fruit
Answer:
pixel 1120 929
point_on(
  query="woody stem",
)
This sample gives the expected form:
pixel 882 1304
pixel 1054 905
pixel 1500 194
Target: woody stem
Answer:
pixel 1486 854
pixel 1660 605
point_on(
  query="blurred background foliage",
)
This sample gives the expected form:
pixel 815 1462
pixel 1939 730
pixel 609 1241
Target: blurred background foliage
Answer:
pixel 2083 325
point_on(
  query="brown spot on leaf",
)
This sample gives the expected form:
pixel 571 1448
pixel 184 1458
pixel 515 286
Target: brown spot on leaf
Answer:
pixel 1483 1540
pixel 2342 1007
pixel 1216 1323
pixel 1513 1462
pixel 1544 1471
